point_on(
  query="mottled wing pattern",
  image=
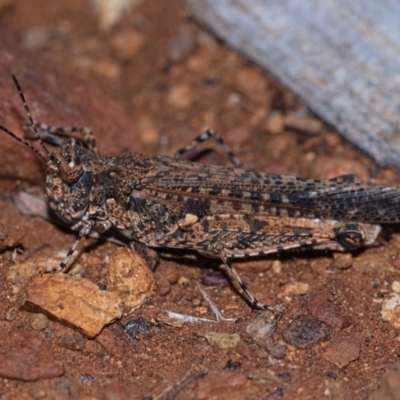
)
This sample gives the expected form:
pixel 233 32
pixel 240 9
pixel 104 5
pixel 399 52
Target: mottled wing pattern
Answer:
pixel 214 190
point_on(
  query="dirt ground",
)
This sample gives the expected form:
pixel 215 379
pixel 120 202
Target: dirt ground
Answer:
pixel 150 83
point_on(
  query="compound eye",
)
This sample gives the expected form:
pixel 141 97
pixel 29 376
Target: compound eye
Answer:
pixel 70 171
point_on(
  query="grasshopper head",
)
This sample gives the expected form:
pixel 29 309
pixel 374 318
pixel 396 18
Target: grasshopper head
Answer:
pixel 69 180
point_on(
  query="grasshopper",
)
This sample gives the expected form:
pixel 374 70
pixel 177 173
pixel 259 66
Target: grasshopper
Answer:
pixel 220 212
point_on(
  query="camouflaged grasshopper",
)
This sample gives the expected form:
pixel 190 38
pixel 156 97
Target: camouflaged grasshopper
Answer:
pixel 223 212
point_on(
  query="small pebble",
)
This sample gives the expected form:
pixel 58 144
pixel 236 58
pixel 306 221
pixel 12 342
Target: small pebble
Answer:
pixel 276 350
pixel 342 260
pixel 67 388
pixel 180 96
pixel 169 271
pixel 130 279
pixel 39 322
pixel 322 306
pixel 222 340
pixel 303 123
pixel 304 332
pixel 343 351
pixel 127 44
pixel 72 342
pixel 38 391
pixel 163 286
pixel 232 365
pixel 294 288
pixel 391 310
pixel 211 278
pixel 396 286
pixel 110 342
pixel 86 377
pixel 277 266
pixel 276 394
pixel 135 326
pixel 275 123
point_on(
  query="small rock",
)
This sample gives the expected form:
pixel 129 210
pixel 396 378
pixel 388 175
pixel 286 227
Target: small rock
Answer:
pixel 131 279
pixel 391 310
pixel 86 377
pixel 218 385
pixel 232 365
pixel 243 349
pixel 276 350
pixel 135 326
pixel 110 342
pixel 294 288
pixel 275 123
pixel 322 306
pixel 342 260
pixel 222 340
pixel 213 278
pixel 72 342
pixel 342 352
pixel 126 44
pixel 320 265
pixel 38 391
pixel 277 266
pixel 169 271
pixel 396 286
pixel 263 326
pixel 163 286
pixel 304 332
pixel 276 394
pixel 28 359
pixel 303 123
pixel 76 301
pixel 39 322
pixel 111 12
pixel 390 385
pixel 180 96
pixel 254 265
pixel 67 389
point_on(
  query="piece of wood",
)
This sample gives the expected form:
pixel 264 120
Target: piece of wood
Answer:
pixel 341 57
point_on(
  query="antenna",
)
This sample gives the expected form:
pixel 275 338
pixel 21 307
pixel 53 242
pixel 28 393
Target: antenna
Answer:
pixel 3 128
pixel 30 119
